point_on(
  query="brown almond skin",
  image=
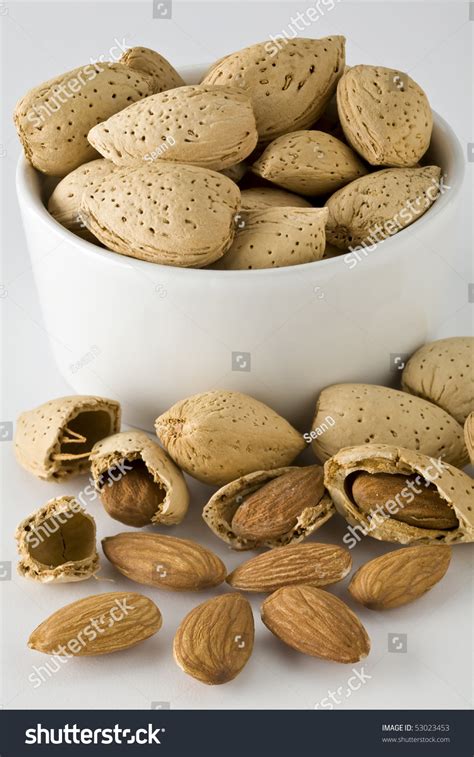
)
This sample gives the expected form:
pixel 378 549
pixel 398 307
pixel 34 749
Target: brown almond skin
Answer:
pixel 309 563
pixel 273 509
pixel 135 498
pixel 140 619
pixel 316 623
pixel 400 577
pixel 164 561
pixel 215 640
pixel 426 510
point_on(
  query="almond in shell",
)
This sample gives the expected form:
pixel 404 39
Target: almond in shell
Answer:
pixel 65 201
pixel 220 129
pixel 165 213
pixel 309 162
pixel 154 65
pixel 270 508
pixel 385 115
pixel 138 482
pixel 54 118
pixel 220 435
pixel 443 373
pixel 289 84
pixel 385 520
pixel 259 198
pixel 276 237
pixel 365 413
pixel 381 204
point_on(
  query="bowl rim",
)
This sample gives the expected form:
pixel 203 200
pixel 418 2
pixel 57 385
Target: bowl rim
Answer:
pixel 29 189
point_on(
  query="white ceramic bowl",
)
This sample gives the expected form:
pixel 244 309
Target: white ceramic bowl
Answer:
pixel 149 335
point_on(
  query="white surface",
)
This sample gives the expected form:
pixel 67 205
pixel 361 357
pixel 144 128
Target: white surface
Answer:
pixel 431 42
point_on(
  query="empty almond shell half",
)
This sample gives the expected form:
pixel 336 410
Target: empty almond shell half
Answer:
pixel 453 486
pixel 54 440
pixel 57 543
pixel 113 458
pixel 224 504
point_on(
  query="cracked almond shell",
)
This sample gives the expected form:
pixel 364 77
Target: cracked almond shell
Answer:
pixel 309 162
pixel 289 87
pixel 154 65
pixel 219 512
pixel 276 237
pixel 57 543
pixel 385 115
pixel 220 129
pixel 454 486
pixel 55 138
pixel 220 435
pixel 136 445
pixel 365 413
pixel 54 440
pixel 65 201
pixel 443 373
pixel 376 206
pixel 165 213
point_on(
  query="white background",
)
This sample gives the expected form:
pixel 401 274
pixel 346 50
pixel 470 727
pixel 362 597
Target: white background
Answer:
pixel 433 43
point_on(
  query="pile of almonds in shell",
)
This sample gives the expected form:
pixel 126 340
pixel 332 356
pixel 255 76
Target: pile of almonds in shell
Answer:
pixel 390 465
pixel 277 157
